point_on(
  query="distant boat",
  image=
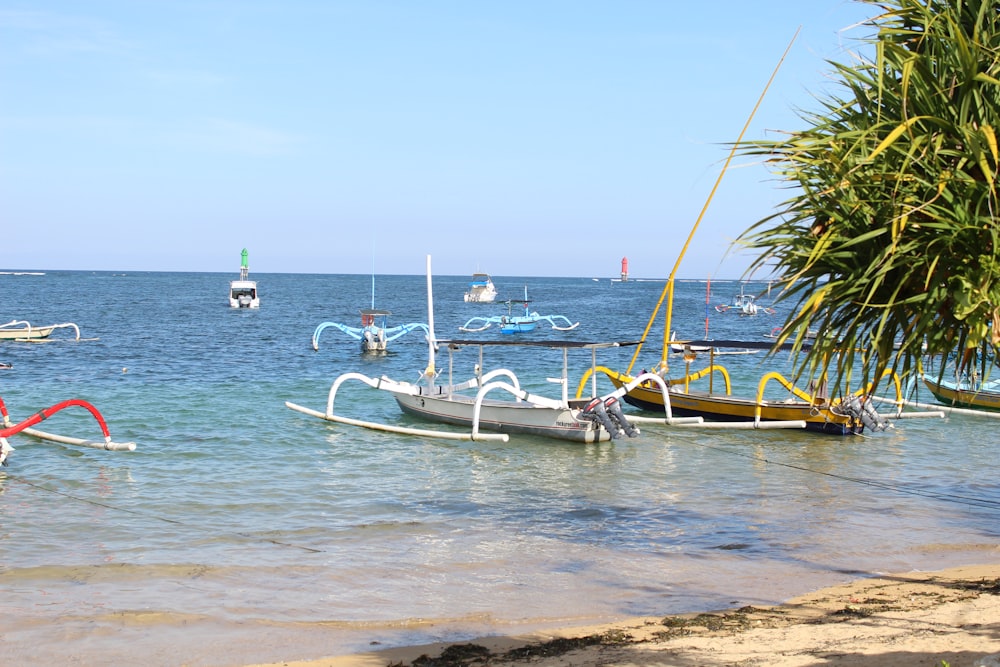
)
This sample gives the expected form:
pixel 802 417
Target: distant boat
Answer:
pixel 481 289
pixel 970 388
pixel 511 323
pixel 243 292
pixel 744 304
pixel 22 330
pixel 969 392
pixel 373 333
pixel 492 401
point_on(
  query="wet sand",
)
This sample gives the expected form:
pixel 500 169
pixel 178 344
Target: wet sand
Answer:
pixel 908 620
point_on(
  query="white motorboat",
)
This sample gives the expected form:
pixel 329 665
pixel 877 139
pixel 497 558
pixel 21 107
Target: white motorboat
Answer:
pixel 744 304
pixel 481 289
pixel 243 292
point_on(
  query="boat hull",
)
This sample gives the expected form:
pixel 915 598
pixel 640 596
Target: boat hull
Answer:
pixel 481 289
pixel 503 417
pixel 950 394
pixel 23 333
pixel 728 408
pixel 517 326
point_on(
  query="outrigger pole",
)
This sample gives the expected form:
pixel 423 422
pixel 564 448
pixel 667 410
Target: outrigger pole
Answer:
pixel 8 428
pixel 668 289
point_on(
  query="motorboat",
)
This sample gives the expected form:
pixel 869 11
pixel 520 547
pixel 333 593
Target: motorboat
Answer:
pixel 481 289
pixel 243 292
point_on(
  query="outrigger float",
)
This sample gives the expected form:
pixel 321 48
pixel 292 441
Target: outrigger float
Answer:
pixel 25 426
pixel 511 323
pixel 24 332
pixel 472 403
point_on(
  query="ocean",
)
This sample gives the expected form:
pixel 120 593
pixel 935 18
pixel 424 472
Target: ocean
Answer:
pixel 240 531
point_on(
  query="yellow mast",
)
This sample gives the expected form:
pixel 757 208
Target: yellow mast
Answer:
pixel 668 289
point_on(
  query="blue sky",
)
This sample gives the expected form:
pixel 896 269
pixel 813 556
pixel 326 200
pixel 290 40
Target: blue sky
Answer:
pixel 536 137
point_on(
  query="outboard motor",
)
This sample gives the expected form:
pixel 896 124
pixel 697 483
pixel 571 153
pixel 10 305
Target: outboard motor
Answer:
pixel 608 413
pixel 865 412
pixel 614 410
pixel 596 412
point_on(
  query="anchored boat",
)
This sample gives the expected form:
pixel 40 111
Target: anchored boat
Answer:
pixel 25 426
pixel 744 304
pixel 243 292
pixel 481 289
pixel 22 330
pixel 971 393
pixel 474 403
pixel 373 333
pixel 815 409
pixel 511 323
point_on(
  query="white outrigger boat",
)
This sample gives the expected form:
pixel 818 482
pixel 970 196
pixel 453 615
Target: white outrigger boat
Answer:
pixel 22 330
pixel 744 304
pixel 473 403
pixel 10 428
pixel 243 292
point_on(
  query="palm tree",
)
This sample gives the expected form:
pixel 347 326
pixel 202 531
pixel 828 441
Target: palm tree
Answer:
pixel 890 242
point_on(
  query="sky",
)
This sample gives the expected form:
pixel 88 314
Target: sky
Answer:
pixel 514 137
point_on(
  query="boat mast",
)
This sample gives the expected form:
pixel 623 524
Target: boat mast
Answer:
pixel 668 289
pixel 431 340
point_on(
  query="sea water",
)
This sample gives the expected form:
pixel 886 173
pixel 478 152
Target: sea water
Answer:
pixel 240 531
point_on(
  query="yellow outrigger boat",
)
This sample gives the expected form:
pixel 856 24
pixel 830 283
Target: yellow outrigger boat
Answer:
pixel 813 410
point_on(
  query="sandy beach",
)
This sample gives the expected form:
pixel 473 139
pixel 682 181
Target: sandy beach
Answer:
pixel 950 617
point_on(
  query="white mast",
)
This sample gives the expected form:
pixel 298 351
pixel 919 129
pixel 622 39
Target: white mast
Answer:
pixel 431 339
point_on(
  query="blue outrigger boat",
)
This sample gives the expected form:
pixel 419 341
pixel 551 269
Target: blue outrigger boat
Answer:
pixel 511 323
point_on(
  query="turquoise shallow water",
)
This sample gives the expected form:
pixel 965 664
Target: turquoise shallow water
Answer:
pixel 240 531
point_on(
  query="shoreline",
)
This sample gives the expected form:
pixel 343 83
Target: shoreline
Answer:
pixel 934 618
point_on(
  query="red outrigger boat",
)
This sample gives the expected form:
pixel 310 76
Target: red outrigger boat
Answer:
pixel 10 428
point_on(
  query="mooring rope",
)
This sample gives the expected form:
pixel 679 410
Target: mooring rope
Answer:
pixel 156 517
pixel 896 488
